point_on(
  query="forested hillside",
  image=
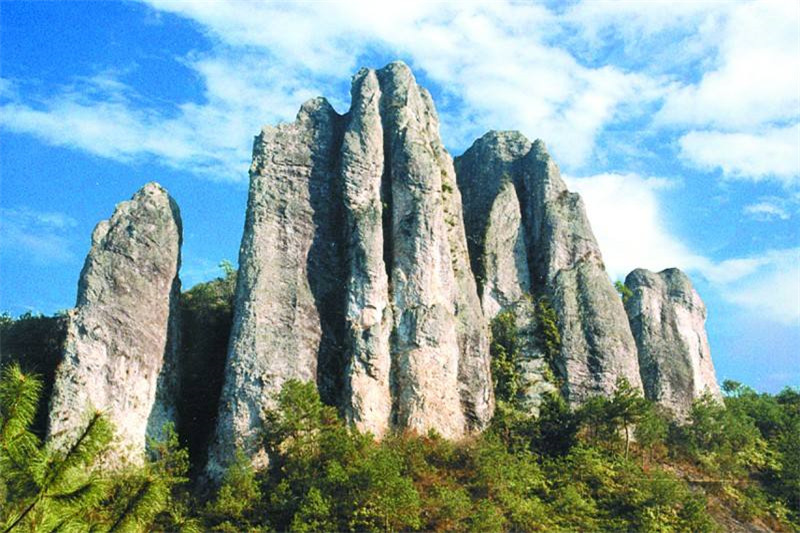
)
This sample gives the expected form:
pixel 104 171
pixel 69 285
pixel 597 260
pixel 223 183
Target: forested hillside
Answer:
pixel 615 464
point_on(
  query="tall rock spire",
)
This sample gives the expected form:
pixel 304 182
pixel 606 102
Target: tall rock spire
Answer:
pixel 369 318
pixel 286 305
pixel 561 257
pixel 354 260
pixel 120 351
pixel 668 320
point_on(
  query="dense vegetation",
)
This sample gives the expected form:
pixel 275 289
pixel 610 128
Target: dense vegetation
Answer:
pixel 615 464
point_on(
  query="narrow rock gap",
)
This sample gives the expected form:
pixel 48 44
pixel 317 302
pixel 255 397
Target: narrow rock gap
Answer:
pixel 387 219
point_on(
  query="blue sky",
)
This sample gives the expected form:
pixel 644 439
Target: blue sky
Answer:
pixel 679 123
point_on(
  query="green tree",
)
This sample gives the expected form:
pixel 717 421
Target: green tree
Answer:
pixel 547 330
pixel 624 292
pixel 66 487
pixel 237 505
pixel 628 407
pixel 48 488
pixel 505 354
pixel 206 312
pixel 35 343
pixel 324 473
pixel 651 431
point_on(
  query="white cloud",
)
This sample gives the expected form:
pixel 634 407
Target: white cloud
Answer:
pixel 491 61
pixel 767 210
pixel 41 235
pixel 773 153
pixel 756 80
pixel 773 290
pixel 625 213
pixel 103 116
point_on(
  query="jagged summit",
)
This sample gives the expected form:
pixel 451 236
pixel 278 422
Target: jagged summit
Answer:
pixel 355 273
pixel 557 252
pixel 371 264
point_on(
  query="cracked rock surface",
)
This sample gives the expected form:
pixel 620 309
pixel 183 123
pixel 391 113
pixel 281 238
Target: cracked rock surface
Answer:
pixel 668 320
pixel 120 351
pixel 354 273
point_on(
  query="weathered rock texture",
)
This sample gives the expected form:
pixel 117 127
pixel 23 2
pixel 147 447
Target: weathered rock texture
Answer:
pixel 288 267
pixel 120 350
pixel 354 272
pixel 563 260
pixel 502 260
pixel 668 318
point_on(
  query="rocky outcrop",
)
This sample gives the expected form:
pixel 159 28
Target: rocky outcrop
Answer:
pixel 120 350
pixel 285 305
pixel 354 272
pixel 506 287
pixel 668 318
pixel 564 262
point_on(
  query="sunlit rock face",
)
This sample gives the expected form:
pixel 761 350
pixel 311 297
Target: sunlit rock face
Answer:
pixel 547 250
pixel 354 273
pixel 120 351
pixel 668 320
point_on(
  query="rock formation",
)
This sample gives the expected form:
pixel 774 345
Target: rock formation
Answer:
pixel 120 349
pixel 354 272
pixel 548 250
pixel 668 318
pixel 359 271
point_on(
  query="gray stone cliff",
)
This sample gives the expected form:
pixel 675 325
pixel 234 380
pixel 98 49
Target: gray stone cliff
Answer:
pixel 289 271
pixel 561 259
pixel 120 350
pixel 668 319
pixel 371 264
pixel 354 272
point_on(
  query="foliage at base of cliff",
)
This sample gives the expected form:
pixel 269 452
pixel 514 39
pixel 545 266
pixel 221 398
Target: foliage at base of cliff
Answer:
pixel 615 464
pixel 325 476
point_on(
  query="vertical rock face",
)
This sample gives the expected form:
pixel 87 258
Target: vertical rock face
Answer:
pixel 440 346
pixel 563 260
pixel 368 315
pixel 354 271
pixel 668 319
pixel 285 305
pixel 120 351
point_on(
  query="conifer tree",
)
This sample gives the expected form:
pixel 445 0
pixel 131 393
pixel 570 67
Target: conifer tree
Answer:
pixel 49 488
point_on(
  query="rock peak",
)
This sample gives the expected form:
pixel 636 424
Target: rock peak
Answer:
pixel 557 251
pixel 120 351
pixel 396 68
pixel 314 106
pixel 667 318
pixel 368 198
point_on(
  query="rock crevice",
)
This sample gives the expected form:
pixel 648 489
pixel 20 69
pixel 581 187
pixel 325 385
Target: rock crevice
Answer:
pixel 564 262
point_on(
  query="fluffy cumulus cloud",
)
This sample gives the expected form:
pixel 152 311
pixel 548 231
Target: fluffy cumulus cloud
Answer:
pixel 41 236
pixel 770 153
pixel 767 283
